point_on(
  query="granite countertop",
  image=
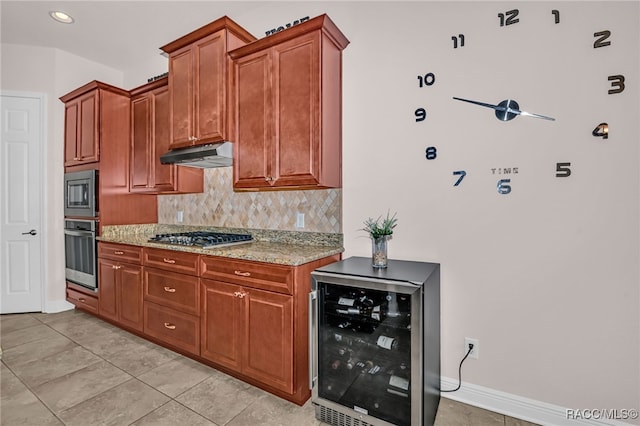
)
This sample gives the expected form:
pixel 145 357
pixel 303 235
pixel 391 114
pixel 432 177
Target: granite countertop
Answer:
pixel 284 248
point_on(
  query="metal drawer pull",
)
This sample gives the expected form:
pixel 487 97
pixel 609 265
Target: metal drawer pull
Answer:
pixel 116 266
pixel 242 274
pixel 240 294
pixel 168 260
pixel 169 289
pixel 118 252
pixel 169 326
pixel 82 299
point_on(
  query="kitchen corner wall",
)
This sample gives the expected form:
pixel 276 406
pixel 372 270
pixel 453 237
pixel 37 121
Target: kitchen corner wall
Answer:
pixel 220 206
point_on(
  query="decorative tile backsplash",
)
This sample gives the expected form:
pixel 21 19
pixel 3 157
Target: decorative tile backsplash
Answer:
pixel 219 206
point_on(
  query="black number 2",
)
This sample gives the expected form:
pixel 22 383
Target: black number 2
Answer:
pixel 511 15
pixel 602 41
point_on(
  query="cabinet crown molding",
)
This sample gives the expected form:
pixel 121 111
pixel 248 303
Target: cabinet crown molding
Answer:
pixel 322 22
pixel 92 86
pixel 219 24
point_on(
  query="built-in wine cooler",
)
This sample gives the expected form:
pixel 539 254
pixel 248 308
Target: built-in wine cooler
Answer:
pixel 375 343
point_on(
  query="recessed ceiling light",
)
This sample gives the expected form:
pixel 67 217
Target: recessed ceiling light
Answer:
pixel 61 17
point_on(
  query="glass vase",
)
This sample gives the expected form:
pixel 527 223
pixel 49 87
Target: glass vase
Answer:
pixel 379 251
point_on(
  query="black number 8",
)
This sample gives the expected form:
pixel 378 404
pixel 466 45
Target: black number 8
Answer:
pixel 431 153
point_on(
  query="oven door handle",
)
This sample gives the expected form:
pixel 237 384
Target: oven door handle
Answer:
pixel 79 233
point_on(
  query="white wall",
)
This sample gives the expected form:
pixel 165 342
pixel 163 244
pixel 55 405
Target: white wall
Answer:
pixel 53 72
pixel 547 277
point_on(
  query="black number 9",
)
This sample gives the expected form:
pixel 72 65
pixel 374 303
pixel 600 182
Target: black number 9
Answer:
pixel 421 114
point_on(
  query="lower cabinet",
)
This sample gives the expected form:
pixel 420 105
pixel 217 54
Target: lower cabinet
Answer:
pixel 172 298
pixel 250 319
pixel 120 292
pixel 172 327
pixel 250 331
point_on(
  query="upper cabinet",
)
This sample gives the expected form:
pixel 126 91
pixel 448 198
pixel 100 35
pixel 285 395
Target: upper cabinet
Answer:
pixel 287 105
pixel 150 139
pixel 86 110
pixel 198 79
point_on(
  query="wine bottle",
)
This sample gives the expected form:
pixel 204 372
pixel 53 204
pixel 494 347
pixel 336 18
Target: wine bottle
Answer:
pixel 387 342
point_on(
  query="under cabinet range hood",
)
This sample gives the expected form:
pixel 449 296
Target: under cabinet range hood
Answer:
pixel 202 156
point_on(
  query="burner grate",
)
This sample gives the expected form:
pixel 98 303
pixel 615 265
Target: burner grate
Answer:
pixel 202 239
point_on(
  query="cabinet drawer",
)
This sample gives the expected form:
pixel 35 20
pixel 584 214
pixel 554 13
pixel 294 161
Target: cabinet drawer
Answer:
pixel 172 327
pixel 125 253
pixel 265 276
pixel 177 291
pixel 82 300
pixel 176 261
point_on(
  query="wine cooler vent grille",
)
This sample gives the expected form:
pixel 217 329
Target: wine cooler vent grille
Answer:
pixel 337 418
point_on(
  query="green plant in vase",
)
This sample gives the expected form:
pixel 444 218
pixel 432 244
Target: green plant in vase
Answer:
pixel 380 230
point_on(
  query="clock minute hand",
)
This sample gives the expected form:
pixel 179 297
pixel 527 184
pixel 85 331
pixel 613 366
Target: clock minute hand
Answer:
pixel 506 110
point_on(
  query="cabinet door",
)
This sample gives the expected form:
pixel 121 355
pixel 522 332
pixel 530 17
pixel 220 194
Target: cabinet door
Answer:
pixel 88 137
pixel 253 108
pixel 164 175
pixel 107 288
pixel 181 97
pixel 268 338
pixel 130 296
pixel 297 82
pixel 210 118
pixel 71 116
pixel 220 340
pixel 141 143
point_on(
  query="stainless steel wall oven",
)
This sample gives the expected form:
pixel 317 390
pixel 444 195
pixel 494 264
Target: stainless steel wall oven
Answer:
pixel 80 252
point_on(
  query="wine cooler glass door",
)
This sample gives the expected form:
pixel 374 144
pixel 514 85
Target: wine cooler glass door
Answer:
pixel 368 358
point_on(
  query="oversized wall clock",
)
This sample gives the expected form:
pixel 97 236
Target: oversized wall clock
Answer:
pixel 517 98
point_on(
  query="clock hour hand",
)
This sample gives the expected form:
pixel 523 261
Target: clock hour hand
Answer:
pixel 506 110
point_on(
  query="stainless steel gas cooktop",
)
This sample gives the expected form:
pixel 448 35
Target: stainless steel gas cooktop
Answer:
pixel 202 239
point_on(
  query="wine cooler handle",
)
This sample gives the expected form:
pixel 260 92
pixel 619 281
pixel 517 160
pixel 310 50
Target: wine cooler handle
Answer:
pixel 312 331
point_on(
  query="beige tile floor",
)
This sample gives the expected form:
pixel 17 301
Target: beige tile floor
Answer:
pixel 71 368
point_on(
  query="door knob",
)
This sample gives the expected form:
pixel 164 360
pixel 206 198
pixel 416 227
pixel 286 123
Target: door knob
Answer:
pixel 32 232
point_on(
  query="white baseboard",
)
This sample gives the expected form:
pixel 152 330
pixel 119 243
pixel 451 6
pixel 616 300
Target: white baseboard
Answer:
pixel 528 409
pixel 53 307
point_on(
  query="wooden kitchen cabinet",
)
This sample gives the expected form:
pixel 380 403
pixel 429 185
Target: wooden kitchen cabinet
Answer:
pixel 150 139
pixel 287 105
pixel 87 110
pixel 172 298
pixel 254 322
pixel 198 81
pixel 249 331
pixel 120 285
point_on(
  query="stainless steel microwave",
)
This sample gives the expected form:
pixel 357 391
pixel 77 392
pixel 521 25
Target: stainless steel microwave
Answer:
pixel 81 194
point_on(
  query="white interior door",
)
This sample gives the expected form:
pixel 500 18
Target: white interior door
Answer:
pixel 21 203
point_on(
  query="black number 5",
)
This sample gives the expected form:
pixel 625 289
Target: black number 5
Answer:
pixel 563 170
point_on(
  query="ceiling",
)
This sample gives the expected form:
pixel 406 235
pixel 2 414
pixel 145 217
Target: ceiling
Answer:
pixel 113 33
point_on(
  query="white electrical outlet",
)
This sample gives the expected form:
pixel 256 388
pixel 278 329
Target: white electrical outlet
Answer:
pixel 179 216
pixel 299 220
pixel 475 352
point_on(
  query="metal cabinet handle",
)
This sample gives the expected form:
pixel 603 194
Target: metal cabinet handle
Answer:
pixel 242 274
pixel 82 299
pixel 169 326
pixel 116 266
pixel 32 232
pixel 168 260
pixel 118 252
pixel 169 289
pixel 240 294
